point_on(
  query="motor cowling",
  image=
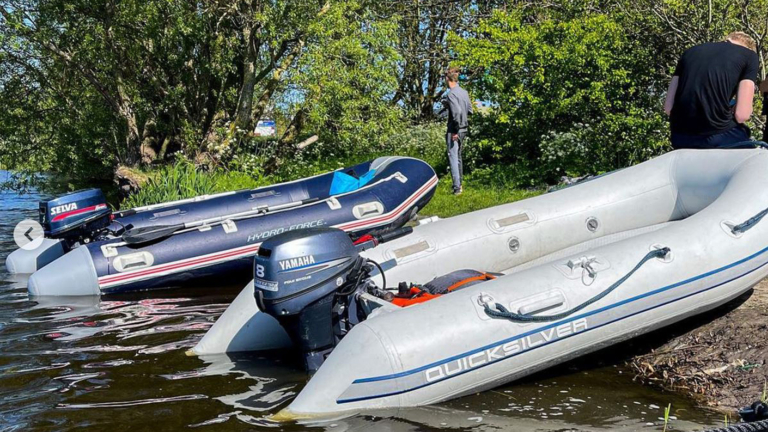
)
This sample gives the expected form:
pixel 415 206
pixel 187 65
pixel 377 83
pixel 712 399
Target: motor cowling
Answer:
pixel 76 216
pixel 298 277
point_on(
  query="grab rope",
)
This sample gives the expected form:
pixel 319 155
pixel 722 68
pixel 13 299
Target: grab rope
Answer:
pixel 502 313
pixel 749 223
pixel 755 419
pixel 758 426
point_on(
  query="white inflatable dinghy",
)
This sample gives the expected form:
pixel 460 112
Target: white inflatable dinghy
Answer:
pixel 556 276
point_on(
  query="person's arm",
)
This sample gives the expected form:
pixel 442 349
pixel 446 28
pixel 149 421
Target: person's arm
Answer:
pixel 744 99
pixel 454 108
pixel 670 101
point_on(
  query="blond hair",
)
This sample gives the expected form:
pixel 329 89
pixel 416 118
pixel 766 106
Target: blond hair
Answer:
pixel 743 39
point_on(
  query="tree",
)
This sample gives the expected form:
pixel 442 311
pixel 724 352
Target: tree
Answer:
pixel 424 26
pixel 98 85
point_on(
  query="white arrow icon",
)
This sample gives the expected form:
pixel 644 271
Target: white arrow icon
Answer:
pixel 28 234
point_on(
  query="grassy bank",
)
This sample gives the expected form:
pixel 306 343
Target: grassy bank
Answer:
pixel 477 195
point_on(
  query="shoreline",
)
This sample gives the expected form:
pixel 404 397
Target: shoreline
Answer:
pixel 720 358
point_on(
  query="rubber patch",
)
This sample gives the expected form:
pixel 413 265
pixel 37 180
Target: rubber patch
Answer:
pixel 511 220
pixel 411 249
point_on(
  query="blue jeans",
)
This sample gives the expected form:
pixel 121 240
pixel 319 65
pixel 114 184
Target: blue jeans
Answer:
pixel 719 140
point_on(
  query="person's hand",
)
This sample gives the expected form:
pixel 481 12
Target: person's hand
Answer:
pixel 455 137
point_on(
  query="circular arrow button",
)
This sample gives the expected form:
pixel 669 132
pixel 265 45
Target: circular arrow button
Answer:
pixel 28 234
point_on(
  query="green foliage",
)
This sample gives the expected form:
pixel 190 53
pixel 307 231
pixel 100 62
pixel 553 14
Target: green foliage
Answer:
pixel 184 180
pixel 426 142
pixel 344 76
pixel 574 86
pixel 87 86
pixel 571 96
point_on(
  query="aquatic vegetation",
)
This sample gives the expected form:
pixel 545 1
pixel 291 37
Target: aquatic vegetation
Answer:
pixel 666 416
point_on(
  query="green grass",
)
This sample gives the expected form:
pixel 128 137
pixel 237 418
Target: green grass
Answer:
pixel 477 195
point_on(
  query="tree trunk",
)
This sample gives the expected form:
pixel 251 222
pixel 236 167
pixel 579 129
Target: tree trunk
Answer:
pixel 271 86
pixel 244 115
pixel 132 137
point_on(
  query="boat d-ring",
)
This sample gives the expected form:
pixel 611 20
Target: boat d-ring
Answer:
pixel 668 258
pixel 728 226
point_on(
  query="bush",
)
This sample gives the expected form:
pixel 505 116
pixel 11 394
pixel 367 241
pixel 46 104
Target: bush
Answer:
pixel 567 95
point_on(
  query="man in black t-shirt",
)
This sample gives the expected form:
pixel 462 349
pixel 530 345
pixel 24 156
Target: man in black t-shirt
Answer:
pixel 700 100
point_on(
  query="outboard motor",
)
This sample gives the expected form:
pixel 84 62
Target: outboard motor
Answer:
pixel 76 217
pixel 308 280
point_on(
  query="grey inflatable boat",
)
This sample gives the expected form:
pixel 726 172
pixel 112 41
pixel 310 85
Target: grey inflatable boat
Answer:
pixel 556 276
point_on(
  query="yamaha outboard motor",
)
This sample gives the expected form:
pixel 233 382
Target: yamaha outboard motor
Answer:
pixel 76 217
pixel 308 280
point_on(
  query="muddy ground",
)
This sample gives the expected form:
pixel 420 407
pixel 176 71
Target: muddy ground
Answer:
pixel 720 358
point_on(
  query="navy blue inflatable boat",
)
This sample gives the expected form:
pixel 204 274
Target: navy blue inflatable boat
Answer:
pixel 176 243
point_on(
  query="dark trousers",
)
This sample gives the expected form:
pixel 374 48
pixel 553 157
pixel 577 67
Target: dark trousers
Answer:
pixel 454 157
pixel 719 140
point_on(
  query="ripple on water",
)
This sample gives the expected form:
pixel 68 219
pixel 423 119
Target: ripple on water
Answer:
pixel 124 404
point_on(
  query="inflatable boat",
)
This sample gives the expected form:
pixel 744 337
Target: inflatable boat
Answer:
pixel 84 216
pixel 374 197
pixel 478 300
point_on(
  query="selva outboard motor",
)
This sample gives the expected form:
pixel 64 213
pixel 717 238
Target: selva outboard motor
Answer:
pixel 76 217
pixel 308 280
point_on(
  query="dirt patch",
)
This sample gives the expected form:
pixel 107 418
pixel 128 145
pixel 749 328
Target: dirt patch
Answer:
pixel 722 362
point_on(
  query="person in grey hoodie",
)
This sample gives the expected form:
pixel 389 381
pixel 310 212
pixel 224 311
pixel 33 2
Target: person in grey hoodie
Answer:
pixel 459 107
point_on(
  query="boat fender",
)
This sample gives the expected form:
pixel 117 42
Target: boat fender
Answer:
pixel 502 313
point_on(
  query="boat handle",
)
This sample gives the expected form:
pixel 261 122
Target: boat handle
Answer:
pixel 501 312
pixel 540 306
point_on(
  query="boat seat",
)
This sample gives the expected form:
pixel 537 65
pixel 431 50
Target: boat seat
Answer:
pixel 456 280
pixel 343 182
pixel 441 285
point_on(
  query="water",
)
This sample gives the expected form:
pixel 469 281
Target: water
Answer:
pixel 119 363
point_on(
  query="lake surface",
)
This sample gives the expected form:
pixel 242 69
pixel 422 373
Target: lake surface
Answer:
pixel 118 363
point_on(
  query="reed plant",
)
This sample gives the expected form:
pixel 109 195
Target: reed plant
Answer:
pixel 666 416
pixel 183 180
